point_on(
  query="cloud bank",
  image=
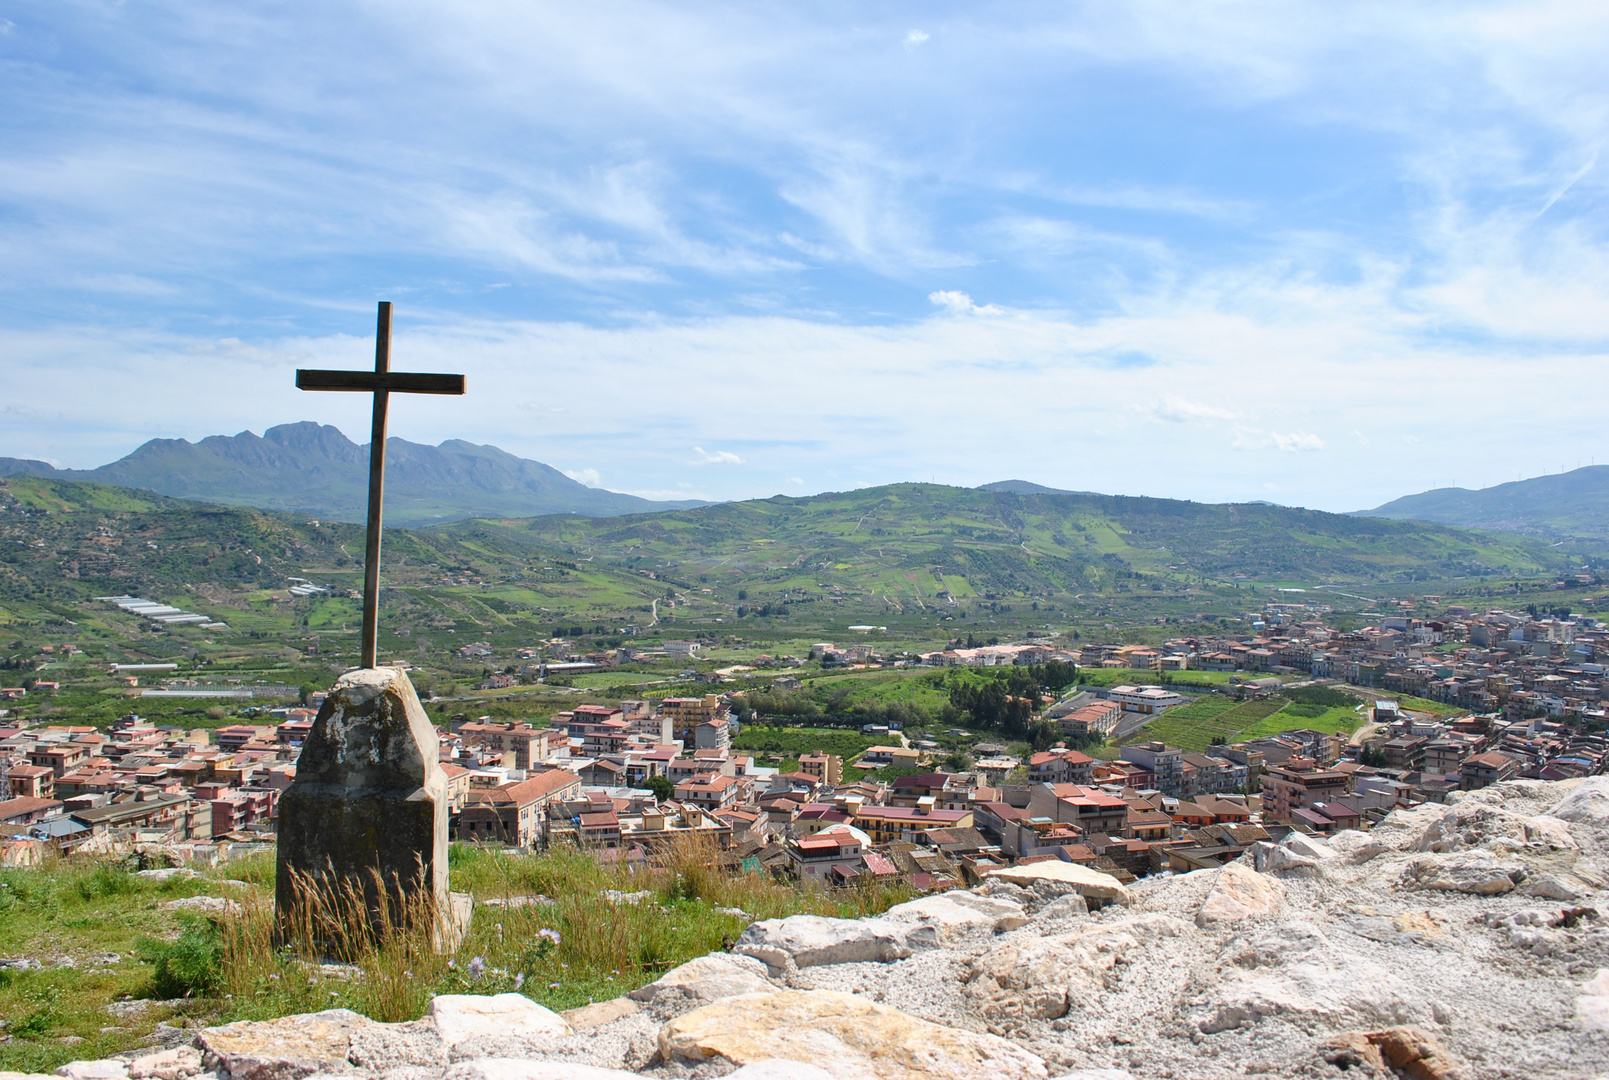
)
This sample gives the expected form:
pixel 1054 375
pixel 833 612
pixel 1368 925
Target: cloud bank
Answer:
pixel 830 246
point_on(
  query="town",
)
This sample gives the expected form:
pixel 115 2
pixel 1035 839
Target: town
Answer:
pixel 1517 695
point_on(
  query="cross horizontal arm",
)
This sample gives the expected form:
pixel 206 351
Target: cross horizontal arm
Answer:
pixel 399 381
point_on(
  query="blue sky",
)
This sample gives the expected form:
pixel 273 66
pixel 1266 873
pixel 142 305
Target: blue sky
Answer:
pixel 1313 253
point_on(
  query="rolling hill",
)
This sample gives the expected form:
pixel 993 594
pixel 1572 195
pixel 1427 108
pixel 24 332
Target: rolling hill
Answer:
pixel 1572 505
pixel 897 537
pixel 316 469
pixel 925 560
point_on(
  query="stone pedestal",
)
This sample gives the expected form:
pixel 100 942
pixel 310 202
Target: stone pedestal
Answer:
pixel 369 796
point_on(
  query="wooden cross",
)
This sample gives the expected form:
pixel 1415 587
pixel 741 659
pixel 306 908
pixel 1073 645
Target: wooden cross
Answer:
pixel 381 383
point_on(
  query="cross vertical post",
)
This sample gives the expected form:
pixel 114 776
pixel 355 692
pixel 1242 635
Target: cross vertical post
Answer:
pixel 381 383
pixel 371 544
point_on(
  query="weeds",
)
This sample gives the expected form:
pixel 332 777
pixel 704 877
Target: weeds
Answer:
pixel 190 965
pixel 578 948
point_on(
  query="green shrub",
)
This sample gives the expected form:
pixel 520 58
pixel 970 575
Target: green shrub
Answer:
pixel 188 966
pixel 1325 696
pixel 104 879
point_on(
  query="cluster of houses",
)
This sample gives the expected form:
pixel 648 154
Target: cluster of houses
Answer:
pixel 1516 664
pixel 626 780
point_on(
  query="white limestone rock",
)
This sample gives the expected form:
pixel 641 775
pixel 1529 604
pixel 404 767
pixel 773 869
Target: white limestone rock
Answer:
pixel 206 905
pixel 1480 821
pixel 1297 855
pixel 810 940
pixel 780 1069
pixel 461 1017
pixel 526 1069
pixel 709 978
pixel 1295 973
pixel 1092 885
pixel 1592 1007
pixel 600 1013
pixel 174 1063
pixel 105 1069
pixel 959 913
pixel 1464 872
pixel 1045 977
pixel 288 1048
pixel 846 1035
pixel 1240 892
pixel 1586 810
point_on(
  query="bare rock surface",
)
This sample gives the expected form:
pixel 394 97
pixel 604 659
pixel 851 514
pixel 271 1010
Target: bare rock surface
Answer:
pixel 461 1017
pixel 844 1034
pixel 807 940
pixel 285 1049
pixel 1090 884
pixel 600 1013
pixel 174 1063
pixel 206 905
pixel 105 1069
pixel 709 978
pixel 1466 941
pixel 959 913
pixel 1241 893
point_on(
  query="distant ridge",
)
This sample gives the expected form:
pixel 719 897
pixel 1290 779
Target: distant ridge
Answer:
pixel 1027 487
pixel 316 469
pixel 1563 506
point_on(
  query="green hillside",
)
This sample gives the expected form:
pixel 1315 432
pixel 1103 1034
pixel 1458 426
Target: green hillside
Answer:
pixel 929 563
pixel 909 543
pixel 1572 505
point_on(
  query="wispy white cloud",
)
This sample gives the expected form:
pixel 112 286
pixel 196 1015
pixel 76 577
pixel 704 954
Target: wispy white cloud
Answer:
pixel 959 303
pixel 778 220
pixel 1180 411
pixel 1292 442
pixel 714 457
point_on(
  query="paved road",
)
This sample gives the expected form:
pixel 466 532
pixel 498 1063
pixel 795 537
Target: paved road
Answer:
pixel 1131 723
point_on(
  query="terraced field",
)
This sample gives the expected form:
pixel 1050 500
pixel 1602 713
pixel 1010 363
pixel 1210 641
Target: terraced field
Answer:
pixel 1194 726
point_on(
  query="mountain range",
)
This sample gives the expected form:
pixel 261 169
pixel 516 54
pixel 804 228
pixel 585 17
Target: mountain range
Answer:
pixel 311 468
pixel 315 469
pixel 1566 506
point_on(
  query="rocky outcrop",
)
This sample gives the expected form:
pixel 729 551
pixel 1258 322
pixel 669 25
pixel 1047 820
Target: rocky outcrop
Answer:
pixel 1044 978
pixel 807 940
pixel 708 978
pixel 1095 887
pixel 958 914
pixel 461 1017
pixel 1451 942
pixel 846 1035
pixel 1241 893
pixel 285 1049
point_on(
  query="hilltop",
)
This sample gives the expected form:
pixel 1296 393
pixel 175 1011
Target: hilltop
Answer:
pixel 911 543
pixel 925 561
pixel 1572 505
pixel 316 469
pixel 1449 942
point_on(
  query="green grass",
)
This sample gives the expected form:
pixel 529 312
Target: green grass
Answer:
pixel 922 689
pixel 603 680
pixel 1194 726
pixel 1339 719
pixel 1419 704
pixel 82 908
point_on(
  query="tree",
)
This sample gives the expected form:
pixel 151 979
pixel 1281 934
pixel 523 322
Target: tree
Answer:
pixel 1043 734
pixel 663 787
